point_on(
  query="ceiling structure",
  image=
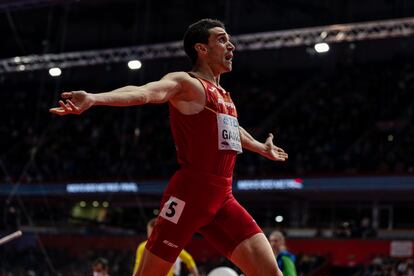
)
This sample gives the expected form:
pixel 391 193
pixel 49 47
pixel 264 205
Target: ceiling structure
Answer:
pixel 31 27
pixel 259 41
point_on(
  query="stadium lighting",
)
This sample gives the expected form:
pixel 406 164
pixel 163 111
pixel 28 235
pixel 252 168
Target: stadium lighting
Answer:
pixel 279 218
pixel 321 47
pixel 134 64
pixel 55 72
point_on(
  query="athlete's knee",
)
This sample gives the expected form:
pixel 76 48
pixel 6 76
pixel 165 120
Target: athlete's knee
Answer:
pixel 255 257
pixel 273 271
pixel 270 269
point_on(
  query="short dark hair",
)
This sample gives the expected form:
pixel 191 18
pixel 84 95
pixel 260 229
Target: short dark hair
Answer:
pixel 198 33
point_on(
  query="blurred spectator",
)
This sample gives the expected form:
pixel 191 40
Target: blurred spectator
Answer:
pixel 285 259
pixel 344 230
pixel 364 230
pixel 100 267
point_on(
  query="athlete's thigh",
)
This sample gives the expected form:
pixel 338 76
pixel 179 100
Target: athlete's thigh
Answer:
pixel 182 213
pixel 231 225
pixel 173 229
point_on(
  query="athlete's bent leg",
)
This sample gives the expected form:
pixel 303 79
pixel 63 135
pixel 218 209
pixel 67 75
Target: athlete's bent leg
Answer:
pixel 152 265
pixel 254 256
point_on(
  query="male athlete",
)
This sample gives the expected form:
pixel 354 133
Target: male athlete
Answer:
pixel 208 138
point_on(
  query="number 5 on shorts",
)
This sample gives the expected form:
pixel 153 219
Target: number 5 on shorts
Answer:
pixel 172 209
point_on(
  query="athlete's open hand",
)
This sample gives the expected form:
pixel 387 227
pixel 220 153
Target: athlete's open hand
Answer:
pixel 74 102
pixel 273 152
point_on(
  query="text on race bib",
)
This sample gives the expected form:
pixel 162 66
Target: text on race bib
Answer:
pixel 228 133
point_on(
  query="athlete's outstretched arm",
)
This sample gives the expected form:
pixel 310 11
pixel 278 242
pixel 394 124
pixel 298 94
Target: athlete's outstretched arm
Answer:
pixel 161 91
pixel 266 149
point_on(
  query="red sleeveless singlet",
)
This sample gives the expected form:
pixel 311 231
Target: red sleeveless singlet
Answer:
pixel 195 136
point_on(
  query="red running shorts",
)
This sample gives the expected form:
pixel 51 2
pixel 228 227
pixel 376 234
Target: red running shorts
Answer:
pixel 204 203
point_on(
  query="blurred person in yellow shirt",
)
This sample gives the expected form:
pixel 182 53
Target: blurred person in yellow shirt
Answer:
pixel 184 257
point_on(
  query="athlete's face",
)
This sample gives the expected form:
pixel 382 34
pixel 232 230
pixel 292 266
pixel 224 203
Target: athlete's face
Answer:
pixel 220 50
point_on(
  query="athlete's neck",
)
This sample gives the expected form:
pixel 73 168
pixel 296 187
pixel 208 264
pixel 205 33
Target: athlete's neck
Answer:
pixel 205 72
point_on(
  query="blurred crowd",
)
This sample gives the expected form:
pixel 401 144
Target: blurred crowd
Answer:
pixel 350 120
pixel 34 261
pixel 388 266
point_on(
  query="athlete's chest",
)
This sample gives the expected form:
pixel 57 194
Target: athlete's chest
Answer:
pixel 221 100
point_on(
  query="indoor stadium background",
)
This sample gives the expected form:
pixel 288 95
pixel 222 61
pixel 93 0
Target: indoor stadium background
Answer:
pixel 333 80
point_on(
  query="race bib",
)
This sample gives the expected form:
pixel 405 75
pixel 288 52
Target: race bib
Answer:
pixel 228 133
pixel 172 209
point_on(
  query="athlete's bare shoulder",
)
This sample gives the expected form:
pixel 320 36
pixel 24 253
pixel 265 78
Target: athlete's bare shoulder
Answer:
pixel 183 78
pixel 190 87
pixel 191 98
pixel 179 76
